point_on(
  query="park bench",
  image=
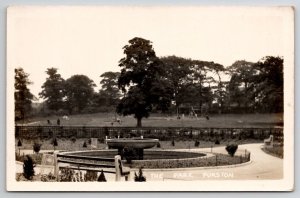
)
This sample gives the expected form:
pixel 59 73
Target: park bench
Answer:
pixel 124 171
pixel 115 165
pixel 269 141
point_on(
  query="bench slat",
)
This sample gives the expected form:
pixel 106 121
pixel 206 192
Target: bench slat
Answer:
pixel 86 164
pixel 86 157
pixel 76 168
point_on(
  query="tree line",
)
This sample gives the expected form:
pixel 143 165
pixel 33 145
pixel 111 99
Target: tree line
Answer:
pixel 147 83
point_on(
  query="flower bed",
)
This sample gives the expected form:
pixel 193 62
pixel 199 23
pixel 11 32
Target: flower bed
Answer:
pixel 276 150
pixel 215 160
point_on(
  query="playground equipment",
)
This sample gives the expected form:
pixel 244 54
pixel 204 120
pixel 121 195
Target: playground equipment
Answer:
pixel 202 112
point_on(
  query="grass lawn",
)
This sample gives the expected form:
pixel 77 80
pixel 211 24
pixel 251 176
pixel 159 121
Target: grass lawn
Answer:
pixel 157 120
pixel 276 150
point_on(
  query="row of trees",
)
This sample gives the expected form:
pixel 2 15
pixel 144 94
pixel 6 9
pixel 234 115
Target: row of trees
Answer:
pixel 148 83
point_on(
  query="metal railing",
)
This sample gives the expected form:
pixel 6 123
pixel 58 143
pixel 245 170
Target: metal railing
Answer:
pixel 162 133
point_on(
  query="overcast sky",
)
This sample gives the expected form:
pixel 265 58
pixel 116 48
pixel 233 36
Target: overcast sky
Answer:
pixel 89 40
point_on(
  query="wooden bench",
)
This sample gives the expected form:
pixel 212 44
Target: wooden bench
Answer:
pixel 269 141
pixel 116 166
pixel 122 170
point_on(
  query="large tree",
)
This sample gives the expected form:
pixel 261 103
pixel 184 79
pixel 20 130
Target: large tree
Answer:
pixel 257 85
pixel 206 76
pixel 23 96
pixel 178 71
pixel 269 84
pixel 109 92
pixel 53 90
pixel 241 85
pixel 142 80
pixel 79 92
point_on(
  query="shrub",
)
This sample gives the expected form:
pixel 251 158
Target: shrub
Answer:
pixel 140 177
pixel 36 147
pixel 191 135
pixel 90 175
pixel 66 175
pixel 47 178
pixel 217 142
pixel 73 139
pixel 101 177
pixel 51 176
pixel 19 143
pixel 231 149
pixel 54 142
pixel 84 145
pixel 78 177
pixel 28 167
pixel 44 178
pixel 197 143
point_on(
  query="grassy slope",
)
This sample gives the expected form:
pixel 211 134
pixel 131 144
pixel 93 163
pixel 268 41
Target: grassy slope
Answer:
pixel 224 120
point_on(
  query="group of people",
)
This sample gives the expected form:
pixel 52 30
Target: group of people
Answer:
pixel 118 120
pixel 192 115
pixel 58 120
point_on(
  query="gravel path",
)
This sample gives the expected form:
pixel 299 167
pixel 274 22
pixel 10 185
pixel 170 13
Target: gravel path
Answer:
pixel 262 166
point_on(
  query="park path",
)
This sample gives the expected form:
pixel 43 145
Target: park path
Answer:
pixel 262 166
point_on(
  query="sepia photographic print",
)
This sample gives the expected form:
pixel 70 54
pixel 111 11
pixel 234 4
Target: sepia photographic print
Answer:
pixel 150 98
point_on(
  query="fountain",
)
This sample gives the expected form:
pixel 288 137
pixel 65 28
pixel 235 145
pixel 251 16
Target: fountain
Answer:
pixel 137 144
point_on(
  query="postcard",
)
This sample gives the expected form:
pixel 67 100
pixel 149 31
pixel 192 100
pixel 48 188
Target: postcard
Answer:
pixel 150 98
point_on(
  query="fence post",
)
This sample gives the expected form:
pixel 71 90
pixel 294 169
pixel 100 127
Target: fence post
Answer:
pixel 117 166
pixel 56 166
pixel 105 141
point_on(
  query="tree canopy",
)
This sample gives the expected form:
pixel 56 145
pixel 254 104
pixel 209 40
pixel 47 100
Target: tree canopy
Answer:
pixel 241 85
pixel 53 90
pixel 178 74
pixel 109 94
pixel 147 83
pixel 257 86
pixel 23 96
pixel 79 91
pixel 269 84
pixel 142 80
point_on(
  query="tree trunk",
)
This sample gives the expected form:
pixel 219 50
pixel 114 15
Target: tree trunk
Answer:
pixel 139 122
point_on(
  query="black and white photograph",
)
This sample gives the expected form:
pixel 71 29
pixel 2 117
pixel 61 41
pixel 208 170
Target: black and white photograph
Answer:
pixel 150 98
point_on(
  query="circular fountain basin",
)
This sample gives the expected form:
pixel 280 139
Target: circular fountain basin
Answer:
pixel 154 159
pixel 137 143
